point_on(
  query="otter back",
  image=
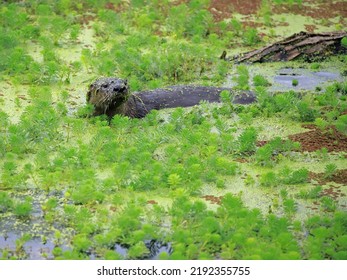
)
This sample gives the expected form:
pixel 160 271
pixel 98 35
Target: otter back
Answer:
pixel 141 103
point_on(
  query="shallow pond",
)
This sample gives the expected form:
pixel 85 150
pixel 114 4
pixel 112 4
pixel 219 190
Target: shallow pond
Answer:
pixel 306 79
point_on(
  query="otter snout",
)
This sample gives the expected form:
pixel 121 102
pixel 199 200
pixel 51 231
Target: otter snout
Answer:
pixel 116 86
pixel 108 93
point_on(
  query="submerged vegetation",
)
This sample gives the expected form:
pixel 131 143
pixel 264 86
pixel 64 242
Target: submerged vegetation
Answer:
pixel 213 181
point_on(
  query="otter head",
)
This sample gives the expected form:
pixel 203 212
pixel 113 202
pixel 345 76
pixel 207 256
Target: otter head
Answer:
pixel 107 94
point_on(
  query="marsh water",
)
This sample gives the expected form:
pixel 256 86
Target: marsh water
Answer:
pixel 307 80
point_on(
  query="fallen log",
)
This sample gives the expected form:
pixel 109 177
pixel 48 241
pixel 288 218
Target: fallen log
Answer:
pixel 300 45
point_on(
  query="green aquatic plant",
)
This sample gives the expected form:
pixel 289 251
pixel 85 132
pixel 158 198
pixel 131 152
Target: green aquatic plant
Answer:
pixel 329 97
pixel 11 176
pixel 264 155
pixel 20 242
pixel 328 204
pixel 112 255
pixel 286 176
pixel 306 112
pixel 315 66
pixel 242 77
pixel 189 21
pixel 6 203
pixel 57 252
pixel 321 124
pixel 341 124
pixel 137 251
pixel 265 12
pixel 225 97
pixel 174 180
pixel 314 193
pixel 23 209
pixel 268 179
pixel 236 26
pixel 81 243
pixel 323 154
pixel 251 37
pixel 326 239
pixel 260 81
pixel 86 193
pixel 39 123
pixel 220 184
pixel 290 177
pixel 247 140
pixel 330 170
pixel 4 121
pixel 18 61
pixel 224 166
pixel 75 32
pixel 50 204
pixel 289 206
pixel 270 104
pixel 344 42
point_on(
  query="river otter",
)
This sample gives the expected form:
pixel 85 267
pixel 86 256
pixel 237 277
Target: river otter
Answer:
pixel 111 96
